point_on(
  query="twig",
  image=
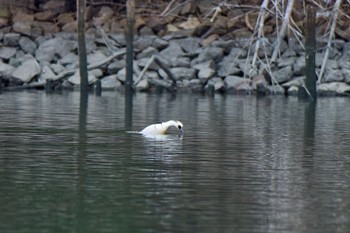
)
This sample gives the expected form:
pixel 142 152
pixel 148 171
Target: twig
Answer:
pixel 110 45
pixel 139 78
pixel 90 67
pixel 217 10
pixel 167 8
pixel 331 35
pixel 162 65
pixel 282 32
pixel 261 19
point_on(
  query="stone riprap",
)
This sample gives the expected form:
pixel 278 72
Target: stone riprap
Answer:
pixel 35 50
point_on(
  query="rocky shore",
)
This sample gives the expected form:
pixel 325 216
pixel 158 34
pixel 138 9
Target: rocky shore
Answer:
pixel 39 50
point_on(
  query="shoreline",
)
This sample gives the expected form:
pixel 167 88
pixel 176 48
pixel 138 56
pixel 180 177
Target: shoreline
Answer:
pixel 29 59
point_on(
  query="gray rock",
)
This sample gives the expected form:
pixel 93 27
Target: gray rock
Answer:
pixel 144 61
pixel 333 64
pixel 296 82
pixel 147 53
pixel 22 58
pixel 57 68
pixel 181 62
pixel 299 66
pixel 183 73
pixel 230 45
pixel 206 69
pixel 293 90
pixel 189 44
pixel 146 31
pixel 283 75
pixel 195 85
pixel 70 58
pixel 115 66
pixel 287 61
pixel 110 82
pixel 75 78
pixel 96 72
pixel 288 53
pixel 259 83
pixel 152 75
pixel 209 53
pixel 172 52
pixel 344 61
pixel 90 44
pixel 228 65
pixel 47 73
pixel 332 75
pixel 335 88
pixel 6 70
pixel 96 57
pixel 247 68
pixel 56 46
pixel 346 74
pixel 275 90
pixel 22 28
pixel 318 59
pixel 27 45
pixel 11 39
pixel 233 82
pixel 142 85
pixel 150 41
pixel 217 83
pixel 121 75
pixel 120 40
pixel 7 52
pixel 28 70
pixel 295 45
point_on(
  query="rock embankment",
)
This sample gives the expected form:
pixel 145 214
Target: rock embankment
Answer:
pixel 40 47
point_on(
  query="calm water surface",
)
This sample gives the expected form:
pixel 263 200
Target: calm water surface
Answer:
pixel 243 165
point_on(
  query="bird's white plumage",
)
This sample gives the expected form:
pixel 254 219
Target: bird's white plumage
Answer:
pixel 161 128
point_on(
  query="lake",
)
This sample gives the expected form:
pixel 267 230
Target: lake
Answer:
pixel 243 164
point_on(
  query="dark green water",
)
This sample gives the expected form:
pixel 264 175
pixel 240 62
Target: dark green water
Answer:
pixel 243 164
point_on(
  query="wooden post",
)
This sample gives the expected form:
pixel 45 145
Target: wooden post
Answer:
pixel 81 5
pixel 130 7
pixel 309 89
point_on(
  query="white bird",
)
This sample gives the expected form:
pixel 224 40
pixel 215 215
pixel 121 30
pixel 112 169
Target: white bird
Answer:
pixel 161 128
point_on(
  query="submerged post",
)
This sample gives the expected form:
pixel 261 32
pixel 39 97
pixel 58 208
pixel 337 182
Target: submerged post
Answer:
pixel 309 89
pixel 81 5
pixel 130 8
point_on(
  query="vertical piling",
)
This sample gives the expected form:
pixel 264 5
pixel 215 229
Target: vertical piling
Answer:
pixel 81 5
pixel 309 90
pixel 130 7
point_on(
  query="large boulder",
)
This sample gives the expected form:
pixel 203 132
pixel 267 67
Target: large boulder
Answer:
pixel 7 52
pixel 11 39
pixel 283 75
pixel 150 41
pixel 183 73
pixel 228 65
pixel 209 53
pixel 6 70
pixel 110 82
pixel 233 82
pixel 172 53
pixel 206 69
pixel 75 78
pixel 335 88
pixel 27 71
pixel 27 45
pixel 48 50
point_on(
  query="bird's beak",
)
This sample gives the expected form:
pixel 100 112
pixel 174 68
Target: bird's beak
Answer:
pixel 182 131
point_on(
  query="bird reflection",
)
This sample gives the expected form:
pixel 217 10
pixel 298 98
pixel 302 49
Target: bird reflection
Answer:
pixel 163 145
